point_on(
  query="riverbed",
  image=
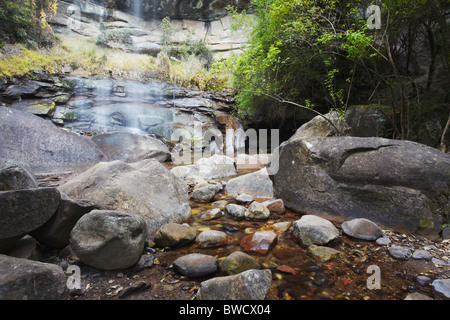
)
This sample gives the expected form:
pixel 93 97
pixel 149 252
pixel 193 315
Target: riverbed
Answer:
pixel 296 273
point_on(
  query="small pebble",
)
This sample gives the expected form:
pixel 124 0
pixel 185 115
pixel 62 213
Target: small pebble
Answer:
pixel 423 280
pixel 383 241
pixel 421 255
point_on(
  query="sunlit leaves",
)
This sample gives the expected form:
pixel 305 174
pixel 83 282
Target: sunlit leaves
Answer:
pixel 300 43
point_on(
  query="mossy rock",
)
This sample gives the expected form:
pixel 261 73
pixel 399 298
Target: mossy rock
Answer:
pixel 44 107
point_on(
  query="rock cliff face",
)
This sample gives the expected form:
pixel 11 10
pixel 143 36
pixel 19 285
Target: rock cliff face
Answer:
pixel 201 10
pixel 190 19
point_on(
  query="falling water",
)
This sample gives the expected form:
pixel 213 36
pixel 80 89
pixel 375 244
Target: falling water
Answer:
pixel 155 9
pixel 137 8
pixel 108 105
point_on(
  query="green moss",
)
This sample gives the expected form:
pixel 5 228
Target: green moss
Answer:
pixel 426 224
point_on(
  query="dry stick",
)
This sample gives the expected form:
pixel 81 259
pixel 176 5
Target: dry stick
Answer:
pixel 281 100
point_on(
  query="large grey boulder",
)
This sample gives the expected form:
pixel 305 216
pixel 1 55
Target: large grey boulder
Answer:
pixel 15 176
pixel 320 127
pixel 131 147
pixel 257 184
pixel 23 279
pixel 109 240
pixel 217 166
pixel 145 188
pixel 248 285
pixel 43 146
pixel 22 211
pixel 55 232
pixel 367 120
pixel 400 185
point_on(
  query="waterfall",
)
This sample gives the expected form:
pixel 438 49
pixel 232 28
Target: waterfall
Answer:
pixel 106 105
pixel 155 9
pixel 153 108
pixel 137 8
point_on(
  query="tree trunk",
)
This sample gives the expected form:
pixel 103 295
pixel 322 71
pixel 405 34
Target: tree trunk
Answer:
pixel 440 18
pixel 445 140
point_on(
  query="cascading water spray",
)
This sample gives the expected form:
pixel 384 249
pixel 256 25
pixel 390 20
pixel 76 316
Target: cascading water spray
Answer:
pixel 155 9
pixel 137 8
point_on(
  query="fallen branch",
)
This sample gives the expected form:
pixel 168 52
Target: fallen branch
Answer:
pixel 281 100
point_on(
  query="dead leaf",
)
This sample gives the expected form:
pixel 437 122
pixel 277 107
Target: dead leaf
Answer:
pixel 286 269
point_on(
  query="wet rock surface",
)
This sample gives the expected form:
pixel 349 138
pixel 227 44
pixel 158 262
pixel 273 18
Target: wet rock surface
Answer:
pixel 109 108
pixel 259 242
pixel 238 262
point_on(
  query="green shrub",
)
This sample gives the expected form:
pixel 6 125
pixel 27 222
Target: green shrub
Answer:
pixel 115 36
pixel 25 21
pixel 16 20
pixel 196 47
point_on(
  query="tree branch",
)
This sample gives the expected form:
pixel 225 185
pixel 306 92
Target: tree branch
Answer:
pixel 281 100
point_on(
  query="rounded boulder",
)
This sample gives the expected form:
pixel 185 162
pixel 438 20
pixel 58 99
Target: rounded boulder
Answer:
pixel 109 240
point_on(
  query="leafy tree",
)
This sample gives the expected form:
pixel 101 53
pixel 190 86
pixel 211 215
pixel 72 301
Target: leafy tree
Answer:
pixel 412 41
pixel 300 51
pixel 167 33
pixel 15 20
pixel 322 54
pixel 25 21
